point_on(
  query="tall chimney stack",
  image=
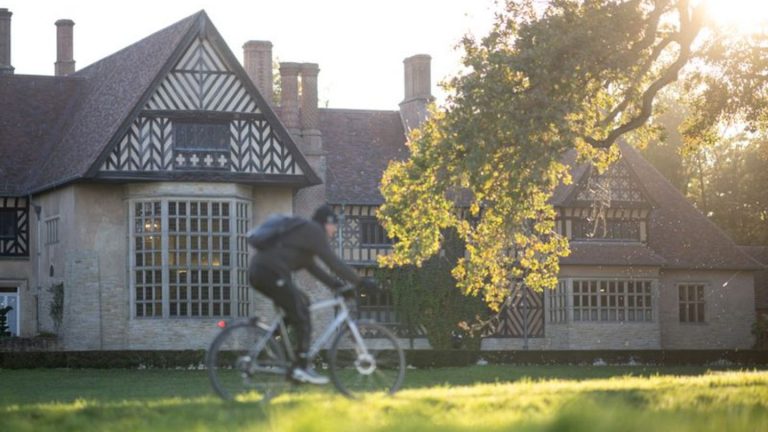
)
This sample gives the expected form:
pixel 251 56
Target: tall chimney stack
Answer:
pixel 309 111
pixel 289 95
pixel 418 93
pixel 65 63
pixel 257 59
pixel 5 42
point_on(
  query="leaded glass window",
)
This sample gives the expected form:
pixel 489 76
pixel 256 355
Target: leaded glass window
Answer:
pixel 612 300
pixel 8 223
pixel 691 303
pixel 190 258
pixel 372 233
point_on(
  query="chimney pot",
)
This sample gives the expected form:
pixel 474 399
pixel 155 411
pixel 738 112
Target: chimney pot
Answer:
pixel 257 60
pixel 418 93
pixel 65 63
pixel 289 94
pixel 5 42
pixel 417 77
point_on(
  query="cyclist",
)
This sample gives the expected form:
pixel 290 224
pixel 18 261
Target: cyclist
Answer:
pixel 270 273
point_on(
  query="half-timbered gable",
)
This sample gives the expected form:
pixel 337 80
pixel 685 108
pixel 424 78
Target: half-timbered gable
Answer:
pixel 205 117
pixel 609 206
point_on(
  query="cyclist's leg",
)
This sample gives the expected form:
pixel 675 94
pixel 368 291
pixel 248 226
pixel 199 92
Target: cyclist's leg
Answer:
pixel 296 306
pixel 291 300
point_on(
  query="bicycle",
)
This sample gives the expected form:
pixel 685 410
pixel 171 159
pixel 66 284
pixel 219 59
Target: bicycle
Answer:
pixel 253 356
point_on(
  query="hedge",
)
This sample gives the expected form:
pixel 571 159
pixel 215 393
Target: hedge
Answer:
pixel 193 359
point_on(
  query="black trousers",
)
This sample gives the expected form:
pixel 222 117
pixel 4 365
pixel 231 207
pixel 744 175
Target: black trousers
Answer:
pixel 282 291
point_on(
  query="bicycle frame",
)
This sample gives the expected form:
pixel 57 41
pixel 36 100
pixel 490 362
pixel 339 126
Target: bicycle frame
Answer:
pixel 342 317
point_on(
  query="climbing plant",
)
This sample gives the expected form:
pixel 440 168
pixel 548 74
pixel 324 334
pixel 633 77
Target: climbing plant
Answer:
pixel 426 297
pixel 56 306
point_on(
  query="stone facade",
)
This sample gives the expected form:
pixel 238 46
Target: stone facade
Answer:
pixel 728 315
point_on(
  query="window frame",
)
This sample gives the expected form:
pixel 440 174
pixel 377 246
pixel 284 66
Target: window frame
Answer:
pixel 238 220
pixel 372 226
pixel 611 228
pixel 616 303
pixel 14 226
pixel 699 302
pixel 178 126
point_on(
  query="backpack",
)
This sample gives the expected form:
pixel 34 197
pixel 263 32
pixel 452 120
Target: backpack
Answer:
pixel 268 233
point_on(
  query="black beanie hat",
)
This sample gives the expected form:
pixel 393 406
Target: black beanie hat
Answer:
pixel 324 214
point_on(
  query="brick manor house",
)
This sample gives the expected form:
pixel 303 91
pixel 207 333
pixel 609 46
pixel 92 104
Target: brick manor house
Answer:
pixel 130 184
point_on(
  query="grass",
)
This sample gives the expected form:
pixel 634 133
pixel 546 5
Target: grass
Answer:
pixel 478 398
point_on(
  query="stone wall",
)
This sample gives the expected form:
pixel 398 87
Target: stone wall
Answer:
pixel 728 315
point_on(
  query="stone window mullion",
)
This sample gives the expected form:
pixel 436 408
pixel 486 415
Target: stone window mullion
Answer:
pixel 164 249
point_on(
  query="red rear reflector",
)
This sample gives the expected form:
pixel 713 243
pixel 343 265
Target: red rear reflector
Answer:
pixel 221 324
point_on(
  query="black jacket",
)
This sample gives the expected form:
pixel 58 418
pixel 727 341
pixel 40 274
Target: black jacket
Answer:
pixel 297 249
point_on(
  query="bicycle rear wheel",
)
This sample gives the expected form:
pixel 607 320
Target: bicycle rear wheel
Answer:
pixel 378 365
pixel 244 361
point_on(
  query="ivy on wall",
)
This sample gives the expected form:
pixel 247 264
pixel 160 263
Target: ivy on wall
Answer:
pixel 427 297
pixel 56 306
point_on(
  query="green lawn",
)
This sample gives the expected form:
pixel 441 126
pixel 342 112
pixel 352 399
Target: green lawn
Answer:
pixel 479 398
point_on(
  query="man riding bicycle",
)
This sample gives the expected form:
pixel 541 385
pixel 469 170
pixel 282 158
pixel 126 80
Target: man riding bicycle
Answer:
pixel 270 273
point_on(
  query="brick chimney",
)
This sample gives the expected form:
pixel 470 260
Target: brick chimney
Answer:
pixel 257 59
pixel 309 112
pixel 5 42
pixel 289 95
pixel 65 63
pixel 413 108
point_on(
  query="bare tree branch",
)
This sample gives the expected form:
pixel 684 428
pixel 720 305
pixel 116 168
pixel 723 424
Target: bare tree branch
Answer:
pixel 691 23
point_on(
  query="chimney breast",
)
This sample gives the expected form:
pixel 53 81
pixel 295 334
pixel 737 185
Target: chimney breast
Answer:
pixel 5 42
pixel 309 111
pixel 289 94
pixel 65 63
pixel 257 59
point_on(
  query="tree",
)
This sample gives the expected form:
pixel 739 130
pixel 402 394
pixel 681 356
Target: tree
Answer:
pixel 427 298
pixel 733 194
pixel 576 74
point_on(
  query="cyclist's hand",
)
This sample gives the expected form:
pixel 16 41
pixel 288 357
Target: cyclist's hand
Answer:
pixel 368 284
pixel 346 291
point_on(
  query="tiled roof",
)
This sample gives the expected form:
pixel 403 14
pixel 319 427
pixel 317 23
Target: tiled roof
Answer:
pixel 114 86
pixel 53 130
pixel 360 144
pixel 35 110
pixel 612 254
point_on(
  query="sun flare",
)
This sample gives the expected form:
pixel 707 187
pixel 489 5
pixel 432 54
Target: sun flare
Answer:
pixel 741 15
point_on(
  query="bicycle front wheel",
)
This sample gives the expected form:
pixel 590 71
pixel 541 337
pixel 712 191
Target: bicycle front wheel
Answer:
pixel 366 357
pixel 244 362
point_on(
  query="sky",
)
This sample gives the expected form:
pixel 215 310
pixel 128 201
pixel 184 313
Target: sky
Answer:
pixel 359 44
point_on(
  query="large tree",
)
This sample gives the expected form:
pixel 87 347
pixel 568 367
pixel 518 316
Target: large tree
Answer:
pixel 570 74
